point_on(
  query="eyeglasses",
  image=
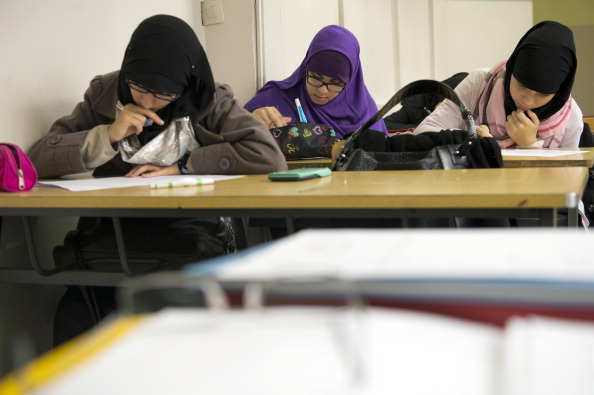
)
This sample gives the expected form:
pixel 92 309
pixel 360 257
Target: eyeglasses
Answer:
pixel 316 82
pixel 161 96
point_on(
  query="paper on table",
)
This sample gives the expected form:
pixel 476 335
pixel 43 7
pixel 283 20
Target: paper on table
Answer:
pixel 91 184
pixel 537 152
pixel 293 351
pixel 358 254
pixel 548 356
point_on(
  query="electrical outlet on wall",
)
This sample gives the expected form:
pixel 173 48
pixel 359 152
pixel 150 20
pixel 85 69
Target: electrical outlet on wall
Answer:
pixel 212 12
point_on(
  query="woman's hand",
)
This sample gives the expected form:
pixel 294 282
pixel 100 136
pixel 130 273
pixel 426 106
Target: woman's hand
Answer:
pixel 483 131
pixel 522 126
pixel 132 120
pixel 271 117
pixel 148 170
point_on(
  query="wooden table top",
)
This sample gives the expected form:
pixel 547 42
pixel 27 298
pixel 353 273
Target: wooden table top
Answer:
pixel 584 158
pixel 468 188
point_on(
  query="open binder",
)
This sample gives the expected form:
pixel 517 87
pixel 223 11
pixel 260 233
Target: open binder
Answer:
pixel 314 350
pixel 356 348
pixel 486 275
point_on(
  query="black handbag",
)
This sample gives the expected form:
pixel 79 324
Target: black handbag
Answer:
pixel 354 157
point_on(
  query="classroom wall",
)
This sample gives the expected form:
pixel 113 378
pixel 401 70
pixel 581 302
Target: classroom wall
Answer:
pixel 579 16
pixel 231 48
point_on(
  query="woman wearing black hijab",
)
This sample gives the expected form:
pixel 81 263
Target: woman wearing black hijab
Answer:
pixel 161 114
pixel 524 101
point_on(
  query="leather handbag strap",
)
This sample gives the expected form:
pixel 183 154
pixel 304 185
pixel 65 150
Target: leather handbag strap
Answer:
pixel 419 87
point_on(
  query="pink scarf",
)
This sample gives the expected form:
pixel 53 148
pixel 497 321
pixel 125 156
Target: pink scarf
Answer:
pixel 492 110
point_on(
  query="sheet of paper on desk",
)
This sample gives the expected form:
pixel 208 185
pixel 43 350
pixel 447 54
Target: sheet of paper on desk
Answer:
pixel 537 152
pixel 359 254
pixel 548 356
pixel 293 351
pixel 91 184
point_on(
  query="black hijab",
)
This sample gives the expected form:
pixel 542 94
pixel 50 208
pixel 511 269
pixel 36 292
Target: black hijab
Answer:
pixel 544 61
pixel 165 55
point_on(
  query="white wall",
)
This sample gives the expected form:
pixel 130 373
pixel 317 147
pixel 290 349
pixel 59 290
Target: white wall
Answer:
pixel 231 48
pixel 471 34
pixel 50 50
pixel 287 29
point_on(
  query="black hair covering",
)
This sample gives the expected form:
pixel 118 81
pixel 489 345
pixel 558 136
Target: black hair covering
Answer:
pixel 544 61
pixel 164 55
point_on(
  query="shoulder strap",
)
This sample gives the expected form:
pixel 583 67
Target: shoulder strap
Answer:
pixel 419 87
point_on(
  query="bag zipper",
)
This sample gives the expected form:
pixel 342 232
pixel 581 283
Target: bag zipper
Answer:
pixel 20 173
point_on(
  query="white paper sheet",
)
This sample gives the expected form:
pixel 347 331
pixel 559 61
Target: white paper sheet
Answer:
pixel 547 356
pixel 293 351
pixel 296 350
pixel 90 184
pixel 359 254
pixel 537 152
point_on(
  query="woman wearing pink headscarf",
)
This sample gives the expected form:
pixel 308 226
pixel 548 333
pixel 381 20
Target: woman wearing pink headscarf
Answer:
pixel 524 101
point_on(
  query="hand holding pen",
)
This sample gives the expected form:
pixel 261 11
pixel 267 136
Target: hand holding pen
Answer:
pixel 132 120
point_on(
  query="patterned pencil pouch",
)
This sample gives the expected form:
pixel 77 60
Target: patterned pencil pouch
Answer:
pixel 305 140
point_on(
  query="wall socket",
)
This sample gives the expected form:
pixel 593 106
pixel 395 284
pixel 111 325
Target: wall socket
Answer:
pixel 212 12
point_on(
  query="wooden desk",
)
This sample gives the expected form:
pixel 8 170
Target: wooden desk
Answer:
pixel 475 193
pixel 585 158
pixel 342 192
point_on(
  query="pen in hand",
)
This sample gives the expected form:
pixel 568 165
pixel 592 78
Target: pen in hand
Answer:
pixel 182 182
pixel 300 111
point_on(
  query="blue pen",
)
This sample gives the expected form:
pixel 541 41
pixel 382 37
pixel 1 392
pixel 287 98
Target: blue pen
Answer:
pixel 300 111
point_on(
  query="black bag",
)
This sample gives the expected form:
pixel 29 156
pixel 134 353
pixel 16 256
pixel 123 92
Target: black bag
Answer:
pixel 151 244
pixel 428 151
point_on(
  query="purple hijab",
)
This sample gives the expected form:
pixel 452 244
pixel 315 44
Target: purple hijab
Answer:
pixel 347 111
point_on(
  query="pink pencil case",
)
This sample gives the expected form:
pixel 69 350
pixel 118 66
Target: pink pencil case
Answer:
pixel 17 173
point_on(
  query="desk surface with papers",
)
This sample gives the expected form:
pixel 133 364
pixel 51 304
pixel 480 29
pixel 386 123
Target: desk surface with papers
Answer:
pixel 537 193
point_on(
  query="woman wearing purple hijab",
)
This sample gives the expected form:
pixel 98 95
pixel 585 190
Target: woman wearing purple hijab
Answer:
pixel 328 83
